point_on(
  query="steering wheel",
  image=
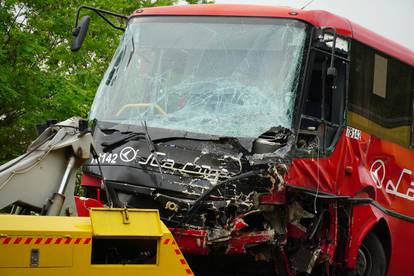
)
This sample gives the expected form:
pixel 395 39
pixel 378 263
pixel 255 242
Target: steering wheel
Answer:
pixel 140 105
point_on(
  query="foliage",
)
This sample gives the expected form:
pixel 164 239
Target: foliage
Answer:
pixel 40 78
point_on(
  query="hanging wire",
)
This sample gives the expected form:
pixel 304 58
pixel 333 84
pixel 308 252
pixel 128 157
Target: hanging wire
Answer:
pixel 317 173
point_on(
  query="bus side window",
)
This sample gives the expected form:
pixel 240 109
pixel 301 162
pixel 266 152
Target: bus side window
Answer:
pixel 323 108
pixel 380 95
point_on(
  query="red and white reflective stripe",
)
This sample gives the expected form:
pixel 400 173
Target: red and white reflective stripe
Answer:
pixel 43 241
pixel 17 240
pixel 177 251
pixel 58 240
pixel 6 240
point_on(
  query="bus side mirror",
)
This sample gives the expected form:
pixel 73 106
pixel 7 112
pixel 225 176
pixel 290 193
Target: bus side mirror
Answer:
pixel 79 30
pixel 79 33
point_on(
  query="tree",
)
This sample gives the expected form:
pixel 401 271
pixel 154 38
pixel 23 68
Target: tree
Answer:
pixel 39 77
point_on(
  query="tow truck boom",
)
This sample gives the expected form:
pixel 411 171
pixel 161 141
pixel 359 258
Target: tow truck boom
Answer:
pixel 42 181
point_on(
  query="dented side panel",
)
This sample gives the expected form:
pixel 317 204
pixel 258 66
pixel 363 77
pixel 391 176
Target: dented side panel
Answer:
pixel 365 166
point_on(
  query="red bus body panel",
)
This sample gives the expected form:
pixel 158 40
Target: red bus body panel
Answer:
pixel 83 205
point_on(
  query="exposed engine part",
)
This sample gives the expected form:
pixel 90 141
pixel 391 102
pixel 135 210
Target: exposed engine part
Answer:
pixel 296 213
pixel 308 141
pixel 305 258
pixel 196 205
pixel 276 216
pixel 272 140
pixel 282 140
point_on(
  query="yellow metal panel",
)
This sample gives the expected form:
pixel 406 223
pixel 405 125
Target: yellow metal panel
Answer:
pixel 68 256
pixel 56 256
pixel 52 251
pixel 42 225
pixel 121 222
pixel 21 256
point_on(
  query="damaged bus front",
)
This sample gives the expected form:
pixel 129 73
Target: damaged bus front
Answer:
pixel 203 117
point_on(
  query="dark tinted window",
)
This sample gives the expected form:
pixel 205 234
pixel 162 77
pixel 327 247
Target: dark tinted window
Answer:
pixel 125 251
pixel 380 94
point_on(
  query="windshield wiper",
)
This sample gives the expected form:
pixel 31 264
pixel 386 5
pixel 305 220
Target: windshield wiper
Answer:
pixel 152 148
pixel 131 53
pixel 112 74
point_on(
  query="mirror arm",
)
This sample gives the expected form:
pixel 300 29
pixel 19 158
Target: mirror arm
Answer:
pixel 101 13
pixel 109 22
pixel 331 70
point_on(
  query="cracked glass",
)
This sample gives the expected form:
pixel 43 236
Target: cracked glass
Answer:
pixel 225 76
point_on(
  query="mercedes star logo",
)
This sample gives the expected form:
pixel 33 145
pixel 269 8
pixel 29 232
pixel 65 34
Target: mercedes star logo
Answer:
pixel 377 172
pixel 128 154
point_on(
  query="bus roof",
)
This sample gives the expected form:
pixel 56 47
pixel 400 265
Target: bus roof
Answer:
pixel 317 18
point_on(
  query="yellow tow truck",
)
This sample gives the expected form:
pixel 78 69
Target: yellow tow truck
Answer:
pixel 43 236
pixel 110 242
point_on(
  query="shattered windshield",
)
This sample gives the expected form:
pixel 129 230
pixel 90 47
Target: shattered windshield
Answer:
pixel 214 75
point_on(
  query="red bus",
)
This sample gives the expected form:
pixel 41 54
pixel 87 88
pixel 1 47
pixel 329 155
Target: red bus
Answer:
pixel 267 134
